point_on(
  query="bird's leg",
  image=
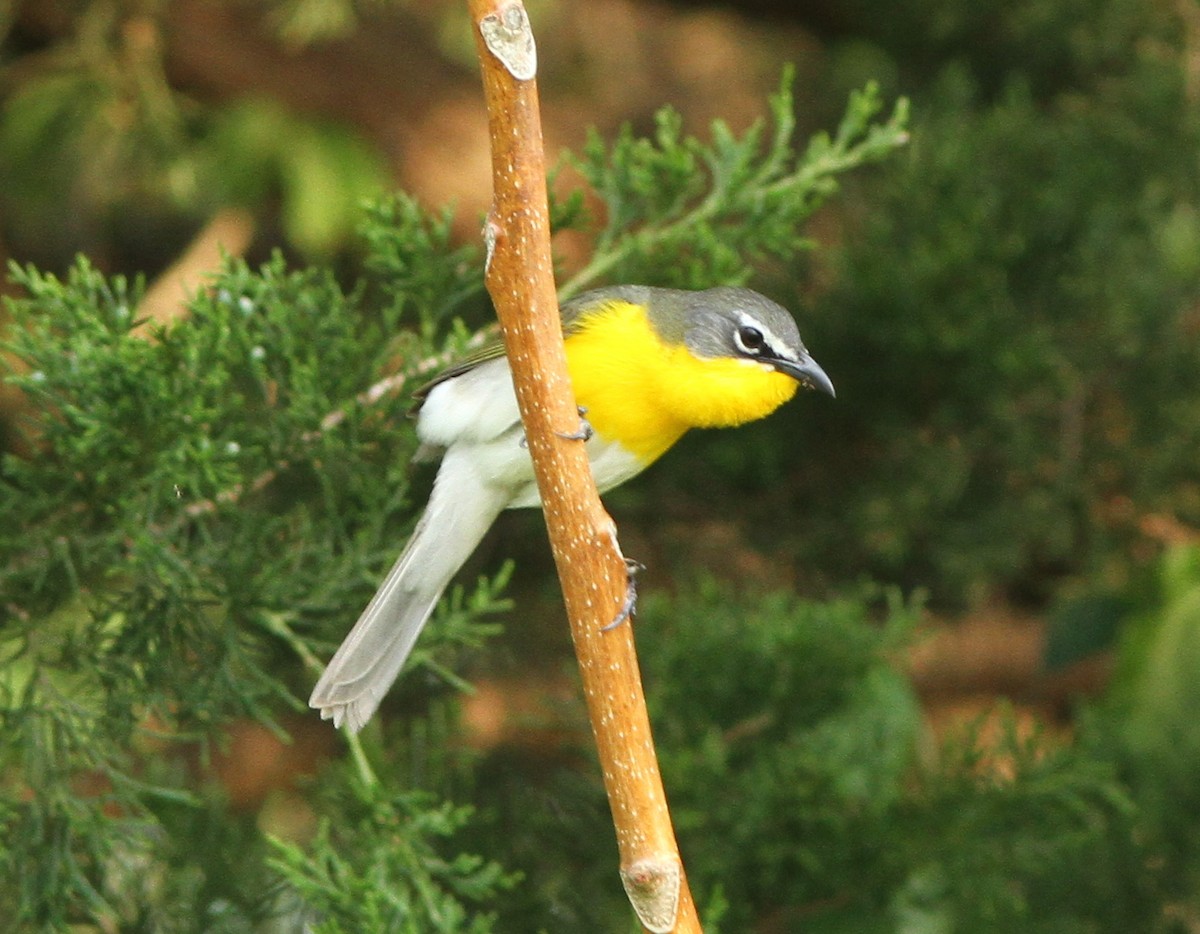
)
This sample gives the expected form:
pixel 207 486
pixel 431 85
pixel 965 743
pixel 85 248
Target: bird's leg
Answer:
pixel 584 433
pixel 629 607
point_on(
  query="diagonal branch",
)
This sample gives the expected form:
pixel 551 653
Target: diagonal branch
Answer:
pixel 520 279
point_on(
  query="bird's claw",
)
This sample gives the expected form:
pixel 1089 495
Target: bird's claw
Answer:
pixel 585 430
pixel 629 606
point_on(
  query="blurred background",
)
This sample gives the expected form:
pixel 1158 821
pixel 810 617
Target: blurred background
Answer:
pixel 1009 306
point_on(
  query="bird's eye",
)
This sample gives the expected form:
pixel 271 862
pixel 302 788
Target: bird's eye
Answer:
pixel 749 339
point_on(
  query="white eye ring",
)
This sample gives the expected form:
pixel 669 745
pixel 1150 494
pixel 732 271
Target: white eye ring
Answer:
pixel 749 340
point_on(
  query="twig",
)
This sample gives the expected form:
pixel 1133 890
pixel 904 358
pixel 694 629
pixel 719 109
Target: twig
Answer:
pixel 591 568
pixel 389 385
pixel 228 233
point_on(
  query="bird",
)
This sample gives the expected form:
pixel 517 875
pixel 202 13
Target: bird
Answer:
pixel 646 364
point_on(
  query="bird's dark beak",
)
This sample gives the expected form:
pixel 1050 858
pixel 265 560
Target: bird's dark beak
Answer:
pixel 807 371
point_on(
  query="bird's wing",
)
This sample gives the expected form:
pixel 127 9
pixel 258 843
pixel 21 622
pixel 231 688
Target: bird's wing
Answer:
pixel 572 313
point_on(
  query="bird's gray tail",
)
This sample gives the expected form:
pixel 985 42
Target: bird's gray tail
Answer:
pixel 461 509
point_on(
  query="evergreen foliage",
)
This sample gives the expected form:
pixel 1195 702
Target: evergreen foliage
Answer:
pixel 200 495
pixel 99 148
pixel 683 214
pixel 373 866
pixel 1011 322
pixel 198 512
pixel 201 505
pixel 807 796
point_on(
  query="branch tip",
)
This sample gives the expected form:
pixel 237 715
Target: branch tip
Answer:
pixel 508 36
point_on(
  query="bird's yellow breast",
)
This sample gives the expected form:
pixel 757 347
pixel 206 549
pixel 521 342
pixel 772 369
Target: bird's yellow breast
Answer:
pixel 645 394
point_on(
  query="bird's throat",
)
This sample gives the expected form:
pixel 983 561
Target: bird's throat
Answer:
pixel 644 394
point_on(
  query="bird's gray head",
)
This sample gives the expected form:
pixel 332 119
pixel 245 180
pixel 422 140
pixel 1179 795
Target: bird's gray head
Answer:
pixel 738 323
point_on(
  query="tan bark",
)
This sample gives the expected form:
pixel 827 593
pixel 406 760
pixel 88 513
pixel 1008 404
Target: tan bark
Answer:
pixel 520 279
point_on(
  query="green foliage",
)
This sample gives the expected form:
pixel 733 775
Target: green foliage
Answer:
pixel 1011 328
pixel 203 503
pixel 321 172
pixel 203 508
pixel 373 866
pixel 1161 656
pixel 1147 723
pixel 785 737
pixel 792 710
pixel 807 795
pixel 1053 45
pixel 419 271
pixel 1027 837
pixel 681 213
pixel 93 133
pixel 790 751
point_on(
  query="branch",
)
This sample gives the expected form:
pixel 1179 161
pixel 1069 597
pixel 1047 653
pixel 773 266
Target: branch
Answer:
pixel 388 386
pixel 520 279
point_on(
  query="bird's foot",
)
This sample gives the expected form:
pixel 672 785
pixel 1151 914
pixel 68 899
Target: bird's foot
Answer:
pixel 629 606
pixel 585 430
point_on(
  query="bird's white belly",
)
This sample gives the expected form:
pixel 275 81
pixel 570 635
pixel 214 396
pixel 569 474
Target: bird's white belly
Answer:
pixel 612 465
pixel 504 462
pixel 476 412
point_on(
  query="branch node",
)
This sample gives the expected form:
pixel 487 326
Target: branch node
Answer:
pixel 653 887
pixel 508 36
pixel 491 235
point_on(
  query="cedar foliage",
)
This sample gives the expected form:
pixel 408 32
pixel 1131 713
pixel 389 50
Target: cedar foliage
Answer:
pixel 202 504
pixel 1010 319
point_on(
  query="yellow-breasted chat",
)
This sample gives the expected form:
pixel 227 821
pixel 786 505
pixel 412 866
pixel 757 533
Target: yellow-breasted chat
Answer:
pixel 646 365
